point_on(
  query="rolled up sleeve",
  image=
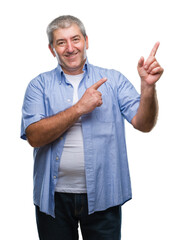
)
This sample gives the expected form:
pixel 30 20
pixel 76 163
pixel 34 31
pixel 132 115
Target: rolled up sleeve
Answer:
pixel 33 108
pixel 128 98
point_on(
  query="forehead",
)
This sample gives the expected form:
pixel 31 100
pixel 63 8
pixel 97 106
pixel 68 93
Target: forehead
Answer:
pixel 66 33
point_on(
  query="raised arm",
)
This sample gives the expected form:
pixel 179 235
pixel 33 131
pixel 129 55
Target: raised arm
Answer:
pixel 49 129
pixel 149 71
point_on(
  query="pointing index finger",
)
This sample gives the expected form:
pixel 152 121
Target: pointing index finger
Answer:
pixel 99 83
pixel 154 50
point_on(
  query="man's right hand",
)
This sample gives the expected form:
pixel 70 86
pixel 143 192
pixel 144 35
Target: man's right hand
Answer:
pixel 91 99
pixel 49 129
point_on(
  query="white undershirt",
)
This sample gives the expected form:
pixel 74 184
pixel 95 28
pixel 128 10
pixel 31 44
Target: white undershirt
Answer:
pixel 71 175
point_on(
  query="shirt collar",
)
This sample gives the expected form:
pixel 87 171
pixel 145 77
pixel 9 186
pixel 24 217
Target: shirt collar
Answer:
pixel 59 69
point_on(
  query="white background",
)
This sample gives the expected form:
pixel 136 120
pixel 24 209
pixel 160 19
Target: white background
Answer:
pixel 119 32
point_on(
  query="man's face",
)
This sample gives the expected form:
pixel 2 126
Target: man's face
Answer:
pixel 70 49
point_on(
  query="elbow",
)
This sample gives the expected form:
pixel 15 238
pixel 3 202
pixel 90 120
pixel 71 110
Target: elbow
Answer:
pixel 33 143
pixel 146 128
pixel 32 138
pixel 142 125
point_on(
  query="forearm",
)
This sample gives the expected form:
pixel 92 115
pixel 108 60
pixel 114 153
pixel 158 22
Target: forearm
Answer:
pixel 49 129
pixel 147 113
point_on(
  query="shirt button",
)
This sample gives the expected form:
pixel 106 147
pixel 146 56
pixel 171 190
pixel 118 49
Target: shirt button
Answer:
pixel 68 100
pixel 54 177
pixel 57 158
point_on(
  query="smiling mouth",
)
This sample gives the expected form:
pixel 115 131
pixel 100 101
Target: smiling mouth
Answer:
pixel 71 55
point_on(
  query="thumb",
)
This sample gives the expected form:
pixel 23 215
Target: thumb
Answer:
pixel 141 62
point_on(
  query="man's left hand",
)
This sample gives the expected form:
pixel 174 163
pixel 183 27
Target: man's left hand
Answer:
pixel 150 71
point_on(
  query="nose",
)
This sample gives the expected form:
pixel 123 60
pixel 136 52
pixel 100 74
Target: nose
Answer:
pixel 70 46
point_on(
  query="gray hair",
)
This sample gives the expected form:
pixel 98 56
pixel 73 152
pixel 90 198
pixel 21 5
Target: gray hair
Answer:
pixel 64 22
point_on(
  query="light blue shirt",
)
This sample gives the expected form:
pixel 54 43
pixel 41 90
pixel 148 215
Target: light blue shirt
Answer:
pixel 106 165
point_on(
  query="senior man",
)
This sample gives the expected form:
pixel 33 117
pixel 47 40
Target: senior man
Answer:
pixel 73 116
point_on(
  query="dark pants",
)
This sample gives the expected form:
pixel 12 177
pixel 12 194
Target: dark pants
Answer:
pixel 73 208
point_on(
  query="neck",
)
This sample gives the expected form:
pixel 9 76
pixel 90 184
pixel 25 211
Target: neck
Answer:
pixel 74 71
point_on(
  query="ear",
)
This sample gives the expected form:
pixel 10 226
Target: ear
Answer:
pixel 51 49
pixel 87 42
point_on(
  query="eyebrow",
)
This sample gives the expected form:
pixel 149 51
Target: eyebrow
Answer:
pixel 76 36
pixel 58 40
pixel 62 39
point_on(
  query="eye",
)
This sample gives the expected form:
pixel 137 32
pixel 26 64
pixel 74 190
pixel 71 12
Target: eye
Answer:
pixel 61 43
pixel 76 39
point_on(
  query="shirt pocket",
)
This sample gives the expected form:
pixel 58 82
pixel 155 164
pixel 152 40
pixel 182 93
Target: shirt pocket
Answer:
pixel 105 113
